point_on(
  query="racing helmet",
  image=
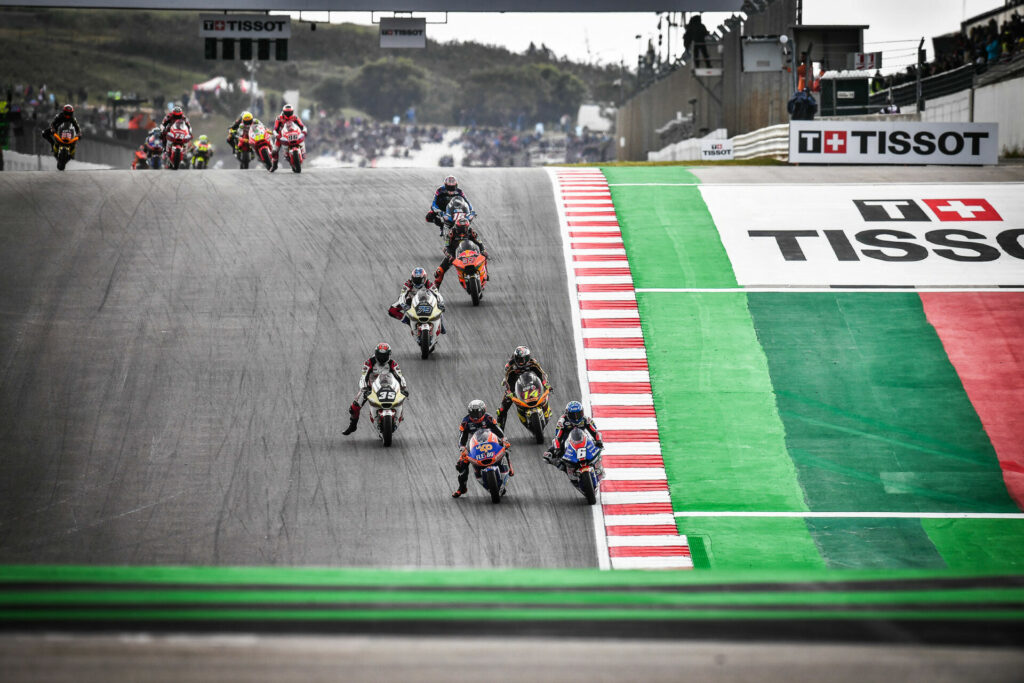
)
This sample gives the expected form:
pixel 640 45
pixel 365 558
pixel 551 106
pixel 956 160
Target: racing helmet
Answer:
pixel 574 412
pixel 246 117
pixel 177 112
pixel 68 110
pixel 521 356
pixel 382 353
pixel 288 111
pixel 451 184
pixel 418 278
pixel 462 223
pixel 203 138
pixel 477 409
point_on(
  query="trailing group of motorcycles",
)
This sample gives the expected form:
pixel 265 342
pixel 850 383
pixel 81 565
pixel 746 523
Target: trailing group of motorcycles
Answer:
pixel 256 141
pixel 253 142
pixel 485 451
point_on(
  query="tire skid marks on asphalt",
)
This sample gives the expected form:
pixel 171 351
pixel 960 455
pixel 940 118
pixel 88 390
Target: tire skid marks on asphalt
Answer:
pixel 636 517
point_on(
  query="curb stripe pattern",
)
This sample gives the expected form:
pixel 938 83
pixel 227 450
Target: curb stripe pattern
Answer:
pixel 634 521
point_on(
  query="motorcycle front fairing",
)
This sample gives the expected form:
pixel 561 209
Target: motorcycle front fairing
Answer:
pixel 386 397
pixel 487 452
pixel 581 455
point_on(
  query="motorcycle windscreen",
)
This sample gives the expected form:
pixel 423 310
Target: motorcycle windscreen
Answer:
pixel 529 387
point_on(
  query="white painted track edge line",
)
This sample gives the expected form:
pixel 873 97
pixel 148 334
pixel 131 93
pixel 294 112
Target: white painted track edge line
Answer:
pixel 600 539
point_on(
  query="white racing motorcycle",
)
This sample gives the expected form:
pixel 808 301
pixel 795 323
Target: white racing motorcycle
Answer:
pixel 424 314
pixel 387 403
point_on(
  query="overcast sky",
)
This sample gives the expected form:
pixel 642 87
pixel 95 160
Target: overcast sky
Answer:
pixel 896 26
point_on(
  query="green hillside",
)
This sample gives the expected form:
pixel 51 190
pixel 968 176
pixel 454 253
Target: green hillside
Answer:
pixel 158 54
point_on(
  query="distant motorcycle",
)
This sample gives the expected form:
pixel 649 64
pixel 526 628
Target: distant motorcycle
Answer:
pixel 178 137
pixel 486 453
pixel 294 141
pixel 424 316
pixel 154 151
pixel 260 140
pixel 582 458
pixel 532 406
pixel 201 156
pixel 471 265
pixel 64 141
pixel 387 403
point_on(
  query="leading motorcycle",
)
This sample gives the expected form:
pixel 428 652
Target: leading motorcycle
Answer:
pixel 582 461
pixel 486 453
pixel 64 141
pixel 387 403
pixel 294 141
pixel 178 137
pixel 424 314
pixel 531 401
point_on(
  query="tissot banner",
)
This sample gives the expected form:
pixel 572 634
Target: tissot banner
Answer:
pixel 871 235
pixel 403 32
pixel 893 142
pixel 244 26
pixel 716 150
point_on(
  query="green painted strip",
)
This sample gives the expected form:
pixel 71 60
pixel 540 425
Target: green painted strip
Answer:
pixel 968 544
pixel 876 419
pixel 670 238
pixel 474 614
pixel 399 599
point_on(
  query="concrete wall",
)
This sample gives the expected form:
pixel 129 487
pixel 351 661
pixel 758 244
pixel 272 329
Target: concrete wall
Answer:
pixel 739 102
pixel 1003 103
pixel 955 108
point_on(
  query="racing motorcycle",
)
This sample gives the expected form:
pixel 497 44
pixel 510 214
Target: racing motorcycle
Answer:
pixel 531 401
pixel 486 453
pixel 424 316
pixel 201 156
pixel 456 208
pixel 387 403
pixel 64 141
pixel 294 141
pixel 582 460
pixel 178 137
pixel 154 151
pixel 259 139
pixel 471 265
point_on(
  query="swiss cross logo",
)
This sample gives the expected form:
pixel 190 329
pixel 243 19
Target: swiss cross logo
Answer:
pixel 835 142
pixel 218 26
pixel 962 210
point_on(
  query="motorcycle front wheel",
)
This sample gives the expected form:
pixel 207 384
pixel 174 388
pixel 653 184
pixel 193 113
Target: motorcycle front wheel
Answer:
pixel 473 287
pixel 537 427
pixel 62 158
pixel 587 487
pixel 386 430
pixel 492 484
pixel 296 160
pixel 424 344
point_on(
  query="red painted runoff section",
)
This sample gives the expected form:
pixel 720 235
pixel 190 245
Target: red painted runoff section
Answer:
pixel 599 323
pixel 606 305
pixel 580 233
pixel 600 257
pixel 599 245
pixel 983 334
pixel 642 529
pixel 609 287
pixel 620 387
pixel 658 551
pixel 634 485
pixel 638 509
pixel 613 364
pixel 633 461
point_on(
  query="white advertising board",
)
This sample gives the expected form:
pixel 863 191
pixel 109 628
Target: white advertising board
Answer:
pixel 244 26
pixel 893 142
pixel 716 150
pixel 942 235
pixel 403 32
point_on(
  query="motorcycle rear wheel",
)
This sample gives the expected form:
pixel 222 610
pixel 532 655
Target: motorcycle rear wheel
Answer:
pixel 493 485
pixel 386 430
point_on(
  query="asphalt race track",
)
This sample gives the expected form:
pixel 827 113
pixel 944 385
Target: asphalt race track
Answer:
pixel 179 351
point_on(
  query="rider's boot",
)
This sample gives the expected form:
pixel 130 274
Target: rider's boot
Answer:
pixel 353 412
pixel 500 417
pixel 438 276
pixel 463 478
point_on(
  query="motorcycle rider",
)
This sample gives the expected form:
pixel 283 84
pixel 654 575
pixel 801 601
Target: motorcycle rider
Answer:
pixel 201 144
pixel 461 230
pixel 449 188
pixel 140 158
pixel 379 362
pixel 477 418
pixel 176 114
pixel 521 361
pixel 288 115
pixel 572 418
pixel 65 115
pixel 417 280
pixel 241 125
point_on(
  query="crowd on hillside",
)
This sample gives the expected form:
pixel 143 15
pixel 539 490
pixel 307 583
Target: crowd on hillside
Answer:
pixel 496 146
pixel 982 46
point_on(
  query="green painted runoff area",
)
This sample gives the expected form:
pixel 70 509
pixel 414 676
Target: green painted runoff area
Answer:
pixel 266 593
pixel 667 229
pixel 831 402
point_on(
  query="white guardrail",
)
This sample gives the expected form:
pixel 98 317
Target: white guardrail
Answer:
pixel 772 141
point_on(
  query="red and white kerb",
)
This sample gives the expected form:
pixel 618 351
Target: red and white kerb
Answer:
pixel 635 525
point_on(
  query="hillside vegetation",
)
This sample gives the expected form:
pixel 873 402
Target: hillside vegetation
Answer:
pixel 160 54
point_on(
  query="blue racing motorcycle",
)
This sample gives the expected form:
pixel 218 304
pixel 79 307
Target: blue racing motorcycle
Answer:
pixel 582 461
pixel 486 453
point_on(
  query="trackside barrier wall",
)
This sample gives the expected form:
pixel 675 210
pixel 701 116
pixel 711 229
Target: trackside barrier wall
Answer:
pixel 686 150
pixel 772 141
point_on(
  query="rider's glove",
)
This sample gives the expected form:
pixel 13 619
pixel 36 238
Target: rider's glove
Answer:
pixel 405 390
pixel 430 216
pixel 599 444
